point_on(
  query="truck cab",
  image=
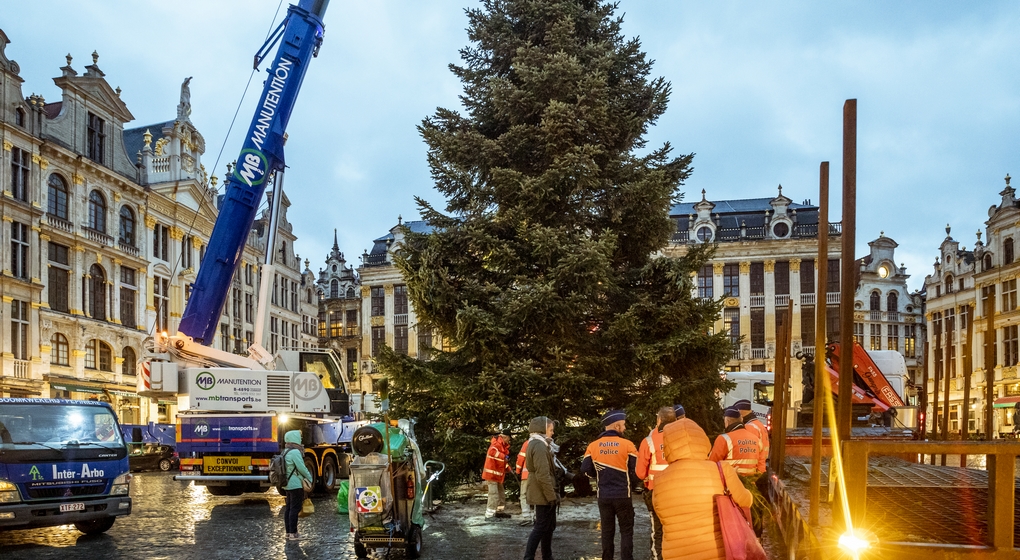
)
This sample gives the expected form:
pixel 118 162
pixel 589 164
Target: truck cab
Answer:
pixel 61 462
pixel 755 386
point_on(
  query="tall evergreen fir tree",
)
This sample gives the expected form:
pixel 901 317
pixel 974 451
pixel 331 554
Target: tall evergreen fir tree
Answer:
pixel 543 272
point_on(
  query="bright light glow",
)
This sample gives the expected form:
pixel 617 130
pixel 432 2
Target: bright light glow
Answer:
pixel 284 418
pixel 75 419
pixel 853 544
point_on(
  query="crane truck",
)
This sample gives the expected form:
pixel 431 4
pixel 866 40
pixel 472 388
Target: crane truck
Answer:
pixel 233 409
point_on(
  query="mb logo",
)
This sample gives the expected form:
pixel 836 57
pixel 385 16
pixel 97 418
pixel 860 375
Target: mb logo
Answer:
pixel 306 386
pixel 201 429
pixel 205 380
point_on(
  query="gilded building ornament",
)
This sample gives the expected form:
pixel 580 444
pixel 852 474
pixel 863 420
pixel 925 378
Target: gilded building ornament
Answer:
pixel 176 233
pixel 7 218
pixel 196 242
pixel 44 163
pixel 147 137
pixel 116 197
pixel 366 291
pixel 717 268
pixel 770 266
pixel 78 179
pixel 99 258
pixel 160 145
pixel 859 316
pixel 794 265
pixel 389 289
pixel 79 247
pixel 745 267
pixel 150 221
pixel 378 321
pixel 8 146
pixel 731 302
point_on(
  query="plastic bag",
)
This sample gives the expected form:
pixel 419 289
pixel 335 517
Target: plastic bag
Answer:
pixel 307 508
pixel 341 496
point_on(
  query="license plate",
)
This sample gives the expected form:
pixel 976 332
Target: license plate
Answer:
pixel 78 506
pixel 226 465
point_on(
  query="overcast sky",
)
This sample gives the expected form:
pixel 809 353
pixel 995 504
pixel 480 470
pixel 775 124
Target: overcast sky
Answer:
pixel 758 92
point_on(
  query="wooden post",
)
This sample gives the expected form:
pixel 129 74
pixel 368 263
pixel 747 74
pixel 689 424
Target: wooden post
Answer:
pixel 847 285
pixel 968 368
pixel 935 359
pixel 947 368
pixel 989 339
pixel 822 264
pixel 782 377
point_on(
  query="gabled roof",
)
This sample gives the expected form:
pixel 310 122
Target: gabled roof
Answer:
pixel 738 206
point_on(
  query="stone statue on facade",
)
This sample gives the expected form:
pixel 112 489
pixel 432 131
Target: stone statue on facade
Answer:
pixel 184 108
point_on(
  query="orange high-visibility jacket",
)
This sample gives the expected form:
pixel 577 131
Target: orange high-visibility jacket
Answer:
pixel 522 468
pixel 651 460
pixel 738 447
pixel 496 461
pixel 757 426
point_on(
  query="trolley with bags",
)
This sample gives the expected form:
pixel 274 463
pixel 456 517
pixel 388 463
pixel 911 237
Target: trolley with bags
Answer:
pixel 390 489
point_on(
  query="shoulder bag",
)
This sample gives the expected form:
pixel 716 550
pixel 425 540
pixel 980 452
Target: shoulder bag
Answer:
pixel 737 534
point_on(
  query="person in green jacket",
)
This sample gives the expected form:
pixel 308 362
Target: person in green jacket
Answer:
pixel 296 472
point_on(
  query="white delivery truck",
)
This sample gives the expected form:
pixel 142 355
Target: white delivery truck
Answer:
pixel 755 386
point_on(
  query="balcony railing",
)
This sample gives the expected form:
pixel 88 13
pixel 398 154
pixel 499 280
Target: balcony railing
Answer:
pixel 757 232
pixel 22 369
pixel 758 301
pixel 810 350
pixel 59 223
pixel 375 260
pixel 875 316
pixel 807 299
pixel 400 319
pixel 758 353
pixel 134 252
pixel 831 298
pixel 782 300
pixel 97 236
pixel 893 316
pixel 680 236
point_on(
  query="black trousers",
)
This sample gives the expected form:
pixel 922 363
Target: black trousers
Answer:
pixel 541 532
pixel 295 499
pixel 656 526
pixel 611 510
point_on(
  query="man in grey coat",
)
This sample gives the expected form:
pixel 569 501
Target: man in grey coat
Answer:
pixel 541 487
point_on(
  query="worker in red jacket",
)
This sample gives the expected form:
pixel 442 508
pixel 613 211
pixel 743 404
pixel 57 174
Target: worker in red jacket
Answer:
pixel 738 446
pixel 754 424
pixel 651 462
pixel 497 463
pixel 522 474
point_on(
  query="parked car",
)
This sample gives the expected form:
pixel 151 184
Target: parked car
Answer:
pixel 152 456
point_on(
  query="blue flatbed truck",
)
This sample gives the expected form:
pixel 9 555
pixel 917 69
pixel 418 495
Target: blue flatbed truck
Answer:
pixel 62 462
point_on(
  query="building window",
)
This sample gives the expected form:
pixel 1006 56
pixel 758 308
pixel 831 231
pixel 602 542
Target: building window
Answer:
pixel 1009 295
pixel 57 284
pixel 807 325
pixel 876 337
pixel 350 293
pixel 378 302
pixel 335 323
pixel 276 286
pixel 20 117
pixel 876 301
pixel 892 302
pixel 161 301
pixel 378 339
pixel 1007 251
pixel 950 359
pixel 757 278
pixel 127 226
pixel 249 338
pixel 424 343
pixel 757 328
pixel 964 317
pixel 334 288
pixel 832 326
pixel 128 293
pixel 249 308
pixel 400 300
pixel 948 283
pixel 96 138
pixel 19 329
pixel 101 351
pixel 400 339
pixel 19 250
pixel 987 262
pixel 893 337
pixel 705 282
pixel 352 322
pixel 293 296
pixel 1010 339
pixel 97 211
pixel 909 339
pixel 130 361
pixel 161 242
pixel 59 350
pixel 323 325
pixel 56 199
pixel 274 330
pixel 248 274
pixel 781 230
pixel 187 253
pixel 807 276
pixel 19 174
pixel 225 337
pixel 859 333
pixel 731 322
pixel 731 280
pixel 705 234
pixel 832 282
pixel 97 292
pixel 235 303
pixel 781 275
pixel 237 340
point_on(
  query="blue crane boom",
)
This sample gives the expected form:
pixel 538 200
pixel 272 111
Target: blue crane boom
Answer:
pixel 260 157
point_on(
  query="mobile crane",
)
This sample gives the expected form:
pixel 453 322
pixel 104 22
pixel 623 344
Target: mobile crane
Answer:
pixel 234 409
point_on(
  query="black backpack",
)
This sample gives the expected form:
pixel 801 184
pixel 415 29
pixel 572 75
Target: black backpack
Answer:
pixel 278 469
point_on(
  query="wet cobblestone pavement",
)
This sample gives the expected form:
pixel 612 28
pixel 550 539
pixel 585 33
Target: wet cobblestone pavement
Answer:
pixel 177 520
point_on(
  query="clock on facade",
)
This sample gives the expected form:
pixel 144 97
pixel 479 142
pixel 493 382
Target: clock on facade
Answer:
pixel 883 271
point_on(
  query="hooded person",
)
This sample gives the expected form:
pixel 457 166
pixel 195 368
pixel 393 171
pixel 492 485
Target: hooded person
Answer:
pixel 611 460
pixel 294 466
pixel 685 492
pixel 541 492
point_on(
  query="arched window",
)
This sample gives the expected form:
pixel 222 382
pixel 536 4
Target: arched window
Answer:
pixel 1007 250
pixel 308 296
pixel 892 302
pixel 97 293
pixel 127 226
pixel 876 301
pixel 948 287
pixel 56 196
pixel 334 288
pixel 98 355
pixel 350 293
pixel 58 350
pixel 19 117
pixel 97 211
pixel 130 361
pixel 988 262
